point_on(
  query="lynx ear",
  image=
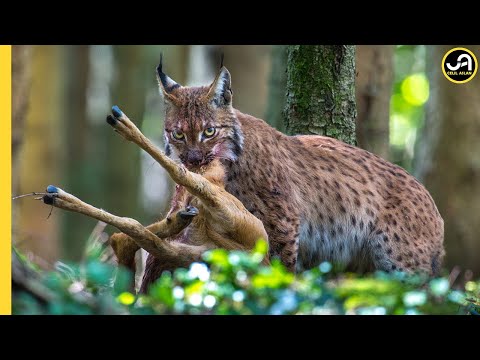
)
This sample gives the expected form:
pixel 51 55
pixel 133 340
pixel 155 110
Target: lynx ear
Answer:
pixel 220 92
pixel 165 83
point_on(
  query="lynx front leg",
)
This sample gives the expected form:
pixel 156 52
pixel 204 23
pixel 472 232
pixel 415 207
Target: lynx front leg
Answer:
pixel 283 230
pixel 289 250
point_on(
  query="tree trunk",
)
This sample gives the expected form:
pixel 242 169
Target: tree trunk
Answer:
pixel 277 86
pixel 321 91
pixel 448 160
pixel 373 90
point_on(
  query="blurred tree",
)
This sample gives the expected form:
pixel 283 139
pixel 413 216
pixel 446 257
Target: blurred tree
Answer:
pixel 20 95
pixel 40 155
pixel 249 66
pixel 277 85
pixel 410 92
pixel 123 170
pixel 20 88
pixel 321 91
pixel 448 159
pixel 373 90
pixel 75 229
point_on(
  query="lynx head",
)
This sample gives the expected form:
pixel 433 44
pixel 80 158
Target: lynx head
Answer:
pixel 200 122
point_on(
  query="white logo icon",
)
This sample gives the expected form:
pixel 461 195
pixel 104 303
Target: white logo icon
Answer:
pixel 469 63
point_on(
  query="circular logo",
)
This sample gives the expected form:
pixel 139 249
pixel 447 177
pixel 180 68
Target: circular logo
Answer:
pixel 459 65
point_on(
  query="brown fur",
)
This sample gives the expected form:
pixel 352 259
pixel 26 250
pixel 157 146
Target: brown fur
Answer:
pixel 318 198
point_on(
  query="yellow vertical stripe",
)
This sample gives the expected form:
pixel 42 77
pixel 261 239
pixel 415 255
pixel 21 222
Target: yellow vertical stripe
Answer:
pixel 5 178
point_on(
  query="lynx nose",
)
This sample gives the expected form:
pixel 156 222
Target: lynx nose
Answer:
pixel 194 157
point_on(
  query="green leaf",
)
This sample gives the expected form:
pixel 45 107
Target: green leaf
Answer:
pixel 439 287
pixel 162 290
pixel 261 247
pixel 126 298
pixel 218 257
pixel 124 280
pixel 99 274
pixel 414 298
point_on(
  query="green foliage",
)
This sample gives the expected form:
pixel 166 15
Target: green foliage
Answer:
pixel 410 93
pixel 237 283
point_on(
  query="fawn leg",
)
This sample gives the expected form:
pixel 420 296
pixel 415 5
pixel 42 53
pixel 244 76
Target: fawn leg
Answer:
pixel 125 247
pixel 196 184
pixel 178 253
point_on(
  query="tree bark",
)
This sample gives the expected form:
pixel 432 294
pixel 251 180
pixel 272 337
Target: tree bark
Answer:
pixel 277 86
pixel 373 90
pixel 448 159
pixel 321 91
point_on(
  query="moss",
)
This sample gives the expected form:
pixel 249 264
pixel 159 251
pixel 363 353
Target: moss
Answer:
pixel 321 91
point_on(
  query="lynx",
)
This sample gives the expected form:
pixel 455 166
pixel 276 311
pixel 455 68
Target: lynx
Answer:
pixel 318 198
pixel 314 198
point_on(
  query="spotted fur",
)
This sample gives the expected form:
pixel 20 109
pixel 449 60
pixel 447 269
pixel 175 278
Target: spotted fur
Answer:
pixel 318 198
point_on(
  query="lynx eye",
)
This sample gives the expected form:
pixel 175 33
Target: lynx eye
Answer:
pixel 178 135
pixel 209 132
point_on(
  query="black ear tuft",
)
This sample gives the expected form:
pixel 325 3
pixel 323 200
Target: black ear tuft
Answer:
pixel 160 63
pixel 167 85
pixel 221 60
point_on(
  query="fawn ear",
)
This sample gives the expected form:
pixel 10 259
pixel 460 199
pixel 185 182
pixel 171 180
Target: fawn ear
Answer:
pixel 165 83
pixel 220 91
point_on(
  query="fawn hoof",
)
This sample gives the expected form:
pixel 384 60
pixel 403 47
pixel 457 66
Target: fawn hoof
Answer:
pixel 116 111
pixel 111 120
pixel 51 189
pixel 188 212
pixel 48 199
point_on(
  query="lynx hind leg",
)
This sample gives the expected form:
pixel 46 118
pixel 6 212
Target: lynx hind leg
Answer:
pixel 397 251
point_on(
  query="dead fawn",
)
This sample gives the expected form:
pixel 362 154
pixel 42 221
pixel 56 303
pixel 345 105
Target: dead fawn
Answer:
pixel 208 216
